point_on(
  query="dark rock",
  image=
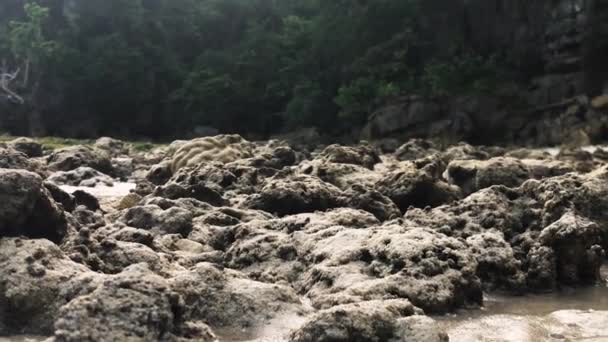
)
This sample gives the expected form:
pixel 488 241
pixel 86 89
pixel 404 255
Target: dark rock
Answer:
pixel 474 175
pixel 413 187
pixel 576 243
pixel 173 220
pixel 27 146
pixel 415 149
pixel 65 199
pixel 73 157
pixel 199 192
pixel 86 199
pixel 27 207
pixel 294 195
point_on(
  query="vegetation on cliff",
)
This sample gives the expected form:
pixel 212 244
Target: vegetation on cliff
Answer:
pixel 158 68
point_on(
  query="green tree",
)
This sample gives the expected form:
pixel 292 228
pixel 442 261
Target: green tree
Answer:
pixel 28 43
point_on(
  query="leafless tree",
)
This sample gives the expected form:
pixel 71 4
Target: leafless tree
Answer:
pixel 6 77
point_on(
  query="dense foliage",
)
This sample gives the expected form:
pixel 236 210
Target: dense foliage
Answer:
pixel 158 68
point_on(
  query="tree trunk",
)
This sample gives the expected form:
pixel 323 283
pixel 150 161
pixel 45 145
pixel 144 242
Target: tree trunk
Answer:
pixel 595 47
pixel 34 116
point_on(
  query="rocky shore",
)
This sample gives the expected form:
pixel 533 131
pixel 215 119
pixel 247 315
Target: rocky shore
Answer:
pixel 219 238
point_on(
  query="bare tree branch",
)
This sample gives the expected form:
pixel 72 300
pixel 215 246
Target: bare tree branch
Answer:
pixel 6 78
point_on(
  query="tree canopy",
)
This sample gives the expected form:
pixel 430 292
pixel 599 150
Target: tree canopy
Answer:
pixel 158 68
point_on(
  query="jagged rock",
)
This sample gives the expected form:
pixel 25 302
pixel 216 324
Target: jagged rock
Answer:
pixel 221 148
pixel 27 146
pixel 113 147
pixel 263 253
pixel 144 188
pixel 211 175
pixel 73 157
pixel 497 265
pixel 197 191
pixel 433 271
pixel 12 159
pixel 128 201
pixel 409 186
pixel 135 305
pixel 372 201
pixel 159 173
pixel 123 167
pixel 415 149
pixel 491 208
pixel 294 195
pixel 86 199
pixel 81 176
pixel 34 278
pixel 270 157
pixel 88 218
pixel 540 169
pixel 463 151
pixel 225 298
pixel 363 155
pixel 474 175
pixel 65 199
pixel 542 268
pixel 27 207
pixel 576 243
pixel 341 175
pixel 373 321
pixel 586 193
pixel 173 220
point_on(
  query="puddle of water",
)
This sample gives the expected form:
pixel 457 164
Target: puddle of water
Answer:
pixel 102 191
pixel 276 330
pixel 554 151
pixel 569 315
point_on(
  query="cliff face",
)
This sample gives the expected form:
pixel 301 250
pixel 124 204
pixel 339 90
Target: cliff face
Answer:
pixel 542 39
pixel 559 47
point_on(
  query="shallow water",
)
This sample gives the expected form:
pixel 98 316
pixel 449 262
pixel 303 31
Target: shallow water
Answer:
pixel 554 151
pixel 107 195
pixel 569 315
pixel 103 191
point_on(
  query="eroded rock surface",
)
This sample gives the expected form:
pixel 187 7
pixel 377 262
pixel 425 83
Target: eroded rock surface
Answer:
pixel 228 239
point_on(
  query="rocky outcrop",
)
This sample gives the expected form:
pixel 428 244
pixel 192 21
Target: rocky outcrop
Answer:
pixel 27 207
pixel 576 243
pixel 27 146
pixel 81 176
pixel 363 155
pixel 348 245
pixel 71 158
pixel 295 195
pixel 560 52
pixel 13 159
pixel 410 186
pixel 112 147
pixel 34 283
pixel 474 175
pixel 391 320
